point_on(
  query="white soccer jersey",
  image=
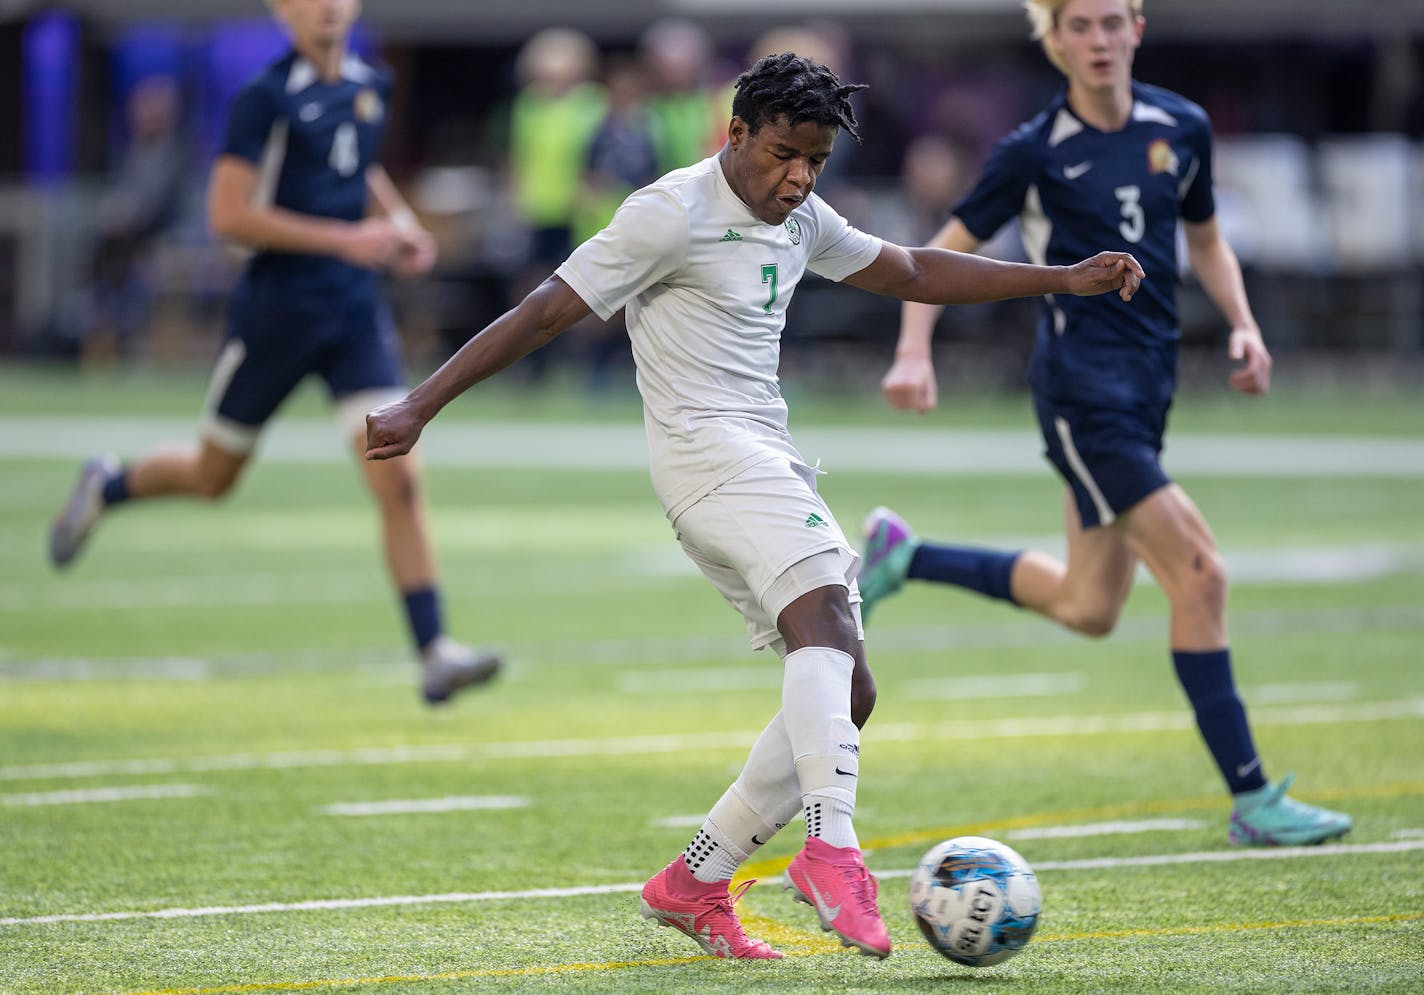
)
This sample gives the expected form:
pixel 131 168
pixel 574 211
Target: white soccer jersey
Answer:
pixel 706 283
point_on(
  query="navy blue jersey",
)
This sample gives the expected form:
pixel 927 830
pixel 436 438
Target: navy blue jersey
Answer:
pixel 312 142
pixel 1078 191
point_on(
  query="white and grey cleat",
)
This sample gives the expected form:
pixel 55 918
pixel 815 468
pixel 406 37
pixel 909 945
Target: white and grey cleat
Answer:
pixel 449 666
pixel 76 520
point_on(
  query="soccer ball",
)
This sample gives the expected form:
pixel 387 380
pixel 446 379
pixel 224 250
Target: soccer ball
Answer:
pixel 975 899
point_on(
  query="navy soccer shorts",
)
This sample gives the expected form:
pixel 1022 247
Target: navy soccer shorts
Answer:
pixel 276 339
pixel 1109 458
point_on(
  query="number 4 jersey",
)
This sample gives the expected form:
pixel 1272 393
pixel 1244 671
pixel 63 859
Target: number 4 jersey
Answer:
pixel 1078 191
pixel 312 142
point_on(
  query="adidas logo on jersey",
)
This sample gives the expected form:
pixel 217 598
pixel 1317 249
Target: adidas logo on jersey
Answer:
pixel 813 519
pixel 731 236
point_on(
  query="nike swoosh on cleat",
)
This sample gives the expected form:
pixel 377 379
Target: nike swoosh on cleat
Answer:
pixel 828 913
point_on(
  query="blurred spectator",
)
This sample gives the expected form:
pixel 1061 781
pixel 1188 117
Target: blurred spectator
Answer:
pixel 623 152
pixel 553 118
pixel 688 125
pixel 622 157
pixel 552 121
pixel 140 201
pixel 932 179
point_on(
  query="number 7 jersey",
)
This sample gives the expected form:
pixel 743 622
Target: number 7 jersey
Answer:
pixel 1078 191
pixel 707 284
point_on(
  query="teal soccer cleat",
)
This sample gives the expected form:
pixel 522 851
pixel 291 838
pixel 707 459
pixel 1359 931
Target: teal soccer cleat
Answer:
pixel 889 547
pixel 1270 817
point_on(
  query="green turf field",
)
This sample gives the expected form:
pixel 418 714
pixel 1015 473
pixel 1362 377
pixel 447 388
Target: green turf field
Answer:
pixel 200 723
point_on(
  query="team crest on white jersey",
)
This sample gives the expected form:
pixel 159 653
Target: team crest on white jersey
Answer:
pixel 368 106
pixel 1161 158
pixel 793 228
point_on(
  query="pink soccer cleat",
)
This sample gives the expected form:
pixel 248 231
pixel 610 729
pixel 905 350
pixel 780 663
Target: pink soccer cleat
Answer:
pixel 834 881
pixel 703 911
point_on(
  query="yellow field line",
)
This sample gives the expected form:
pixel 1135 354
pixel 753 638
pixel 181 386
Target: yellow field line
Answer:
pixel 1234 927
pixel 776 865
pixel 806 945
pixel 799 943
pixel 388 979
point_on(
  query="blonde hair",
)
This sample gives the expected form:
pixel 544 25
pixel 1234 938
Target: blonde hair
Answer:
pixel 1043 18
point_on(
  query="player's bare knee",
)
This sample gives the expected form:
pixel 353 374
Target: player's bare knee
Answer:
pixel 822 617
pixel 209 487
pixel 1207 580
pixel 1097 621
pixel 401 492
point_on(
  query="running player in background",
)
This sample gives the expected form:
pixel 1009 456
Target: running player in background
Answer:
pixel 294 182
pixel 707 260
pixel 1111 162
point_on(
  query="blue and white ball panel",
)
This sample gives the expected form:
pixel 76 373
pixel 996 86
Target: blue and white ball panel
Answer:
pixel 975 900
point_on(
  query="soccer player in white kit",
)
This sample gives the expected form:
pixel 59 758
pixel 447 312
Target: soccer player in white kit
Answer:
pixel 706 260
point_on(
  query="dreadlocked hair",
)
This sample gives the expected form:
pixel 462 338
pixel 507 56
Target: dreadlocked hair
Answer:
pixel 797 88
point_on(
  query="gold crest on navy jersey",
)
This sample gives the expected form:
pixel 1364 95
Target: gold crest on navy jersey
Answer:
pixel 368 106
pixel 1161 158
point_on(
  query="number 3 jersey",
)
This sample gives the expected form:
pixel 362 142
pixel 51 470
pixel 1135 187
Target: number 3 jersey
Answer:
pixel 1078 191
pixel 706 284
pixel 312 142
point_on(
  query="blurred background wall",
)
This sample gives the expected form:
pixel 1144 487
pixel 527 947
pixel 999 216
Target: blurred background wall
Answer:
pixel 112 112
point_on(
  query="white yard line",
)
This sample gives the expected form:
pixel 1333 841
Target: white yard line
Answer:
pixel 1120 828
pixel 83 796
pixel 1014 632
pixel 1290 693
pixel 416 806
pixel 679 821
pixel 668 680
pixel 1006 728
pixel 461 897
pixel 638 571
pixel 978 686
pixel 578 445
pixel 1209 857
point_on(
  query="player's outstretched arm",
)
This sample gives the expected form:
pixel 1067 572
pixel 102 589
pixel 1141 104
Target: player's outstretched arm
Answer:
pixel 392 429
pixel 938 276
pixel 910 384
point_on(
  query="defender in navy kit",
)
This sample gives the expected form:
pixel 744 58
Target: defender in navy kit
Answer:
pixel 295 182
pixel 1115 164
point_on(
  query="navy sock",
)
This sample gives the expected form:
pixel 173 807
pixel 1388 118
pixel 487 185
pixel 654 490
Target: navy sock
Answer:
pixel 984 570
pixel 1221 717
pixel 422 611
pixel 116 488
